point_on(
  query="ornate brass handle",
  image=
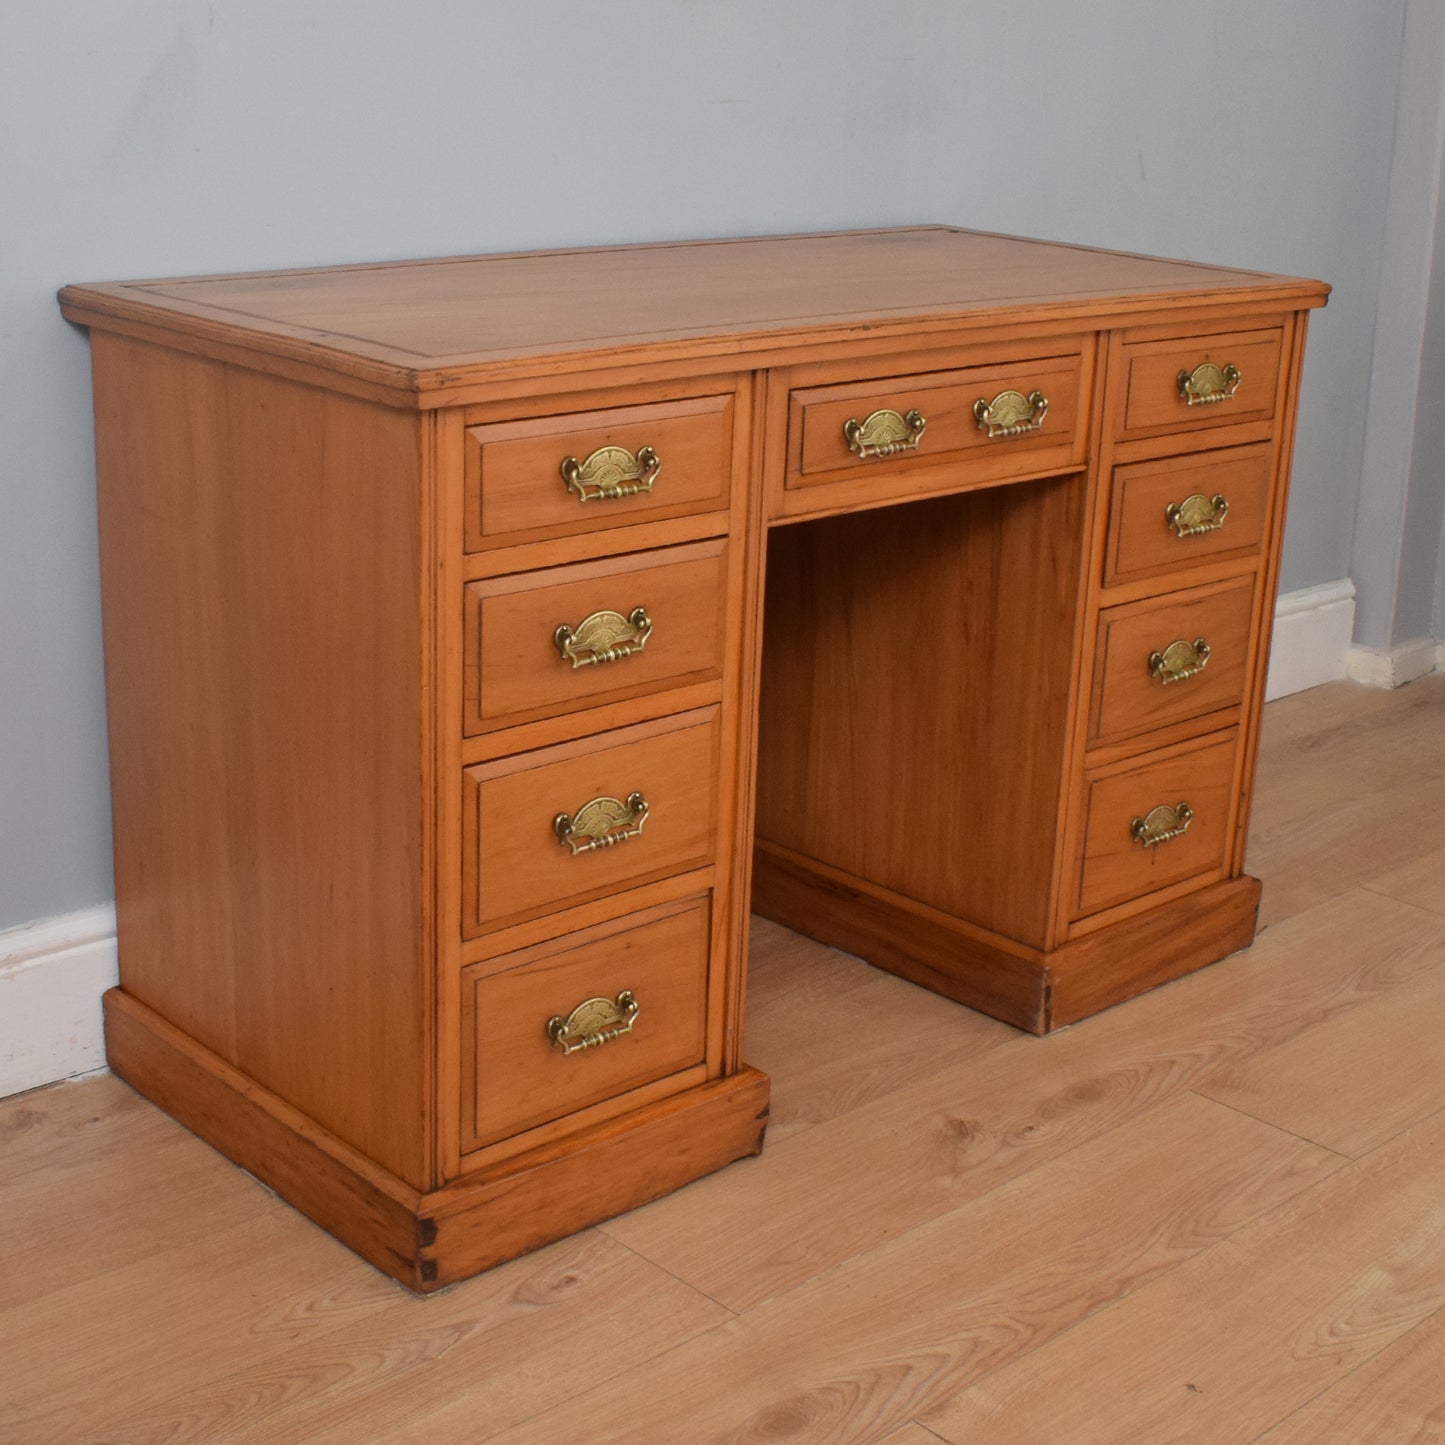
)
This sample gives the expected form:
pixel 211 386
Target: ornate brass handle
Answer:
pixel 1011 413
pixel 1208 384
pixel 611 472
pixel 884 433
pixel 1196 514
pixel 603 637
pixel 594 1022
pixel 1179 661
pixel 593 823
pixel 1161 824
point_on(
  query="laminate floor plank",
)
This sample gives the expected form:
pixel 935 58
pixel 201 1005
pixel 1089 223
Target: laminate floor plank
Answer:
pixel 117 1181
pixel 458 1366
pixel 1397 1398
pixel 66 1124
pixel 1421 882
pixel 80 1360
pixel 1222 1347
pixel 844 1187
pixel 1352 786
pixel 857 1353
pixel 911 1434
pixel 1355 1081
pixel 842 1034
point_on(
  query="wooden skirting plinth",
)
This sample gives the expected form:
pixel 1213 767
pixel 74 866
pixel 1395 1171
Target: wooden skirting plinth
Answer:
pixel 430 1239
pixel 1032 989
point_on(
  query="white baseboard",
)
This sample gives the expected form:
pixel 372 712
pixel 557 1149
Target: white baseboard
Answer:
pixel 1313 630
pixel 1399 665
pixel 52 974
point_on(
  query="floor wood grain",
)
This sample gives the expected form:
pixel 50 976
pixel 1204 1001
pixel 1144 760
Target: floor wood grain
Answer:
pixel 1214 1214
pixel 1229 1342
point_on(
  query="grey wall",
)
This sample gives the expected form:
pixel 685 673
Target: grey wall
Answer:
pixel 151 137
pixel 1397 542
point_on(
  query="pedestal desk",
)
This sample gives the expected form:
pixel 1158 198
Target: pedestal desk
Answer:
pixel 483 634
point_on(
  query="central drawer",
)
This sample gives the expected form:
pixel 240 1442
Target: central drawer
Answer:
pixel 568 824
pixel 1011 418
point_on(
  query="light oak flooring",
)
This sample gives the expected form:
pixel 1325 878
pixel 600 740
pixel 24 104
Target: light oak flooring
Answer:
pixel 1214 1214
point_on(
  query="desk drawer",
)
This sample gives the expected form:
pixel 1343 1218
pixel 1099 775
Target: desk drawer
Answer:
pixel 636 1001
pixel 1016 417
pixel 574 637
pixel 1195 383
pixel 554 476
pixel 1125 807
pixel 1168 515
pixel 572 823
pixel 1171 658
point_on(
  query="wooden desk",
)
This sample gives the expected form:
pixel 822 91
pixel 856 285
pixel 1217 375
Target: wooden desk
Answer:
pixel 446 709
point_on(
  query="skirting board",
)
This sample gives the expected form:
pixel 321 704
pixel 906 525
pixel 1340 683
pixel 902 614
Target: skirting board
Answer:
pixel 1313 630
pixel 52 974
pixel 1399 665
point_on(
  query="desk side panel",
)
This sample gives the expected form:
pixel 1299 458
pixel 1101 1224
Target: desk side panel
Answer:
pixel 267 646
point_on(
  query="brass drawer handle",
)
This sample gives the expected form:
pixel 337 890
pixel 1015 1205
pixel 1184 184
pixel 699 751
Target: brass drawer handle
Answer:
pixel 611 472
pixel 884 433
pixel 1208 384
pixel 603 637
pixel 1179 661
pixel 593 823
pixel 594 1022
pixel 1161 824
pixel 1011 413
pixel 1196 515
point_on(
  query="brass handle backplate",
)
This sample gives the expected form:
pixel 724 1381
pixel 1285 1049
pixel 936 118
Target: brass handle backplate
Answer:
pixel 602 823
pixel 884 433
pixel 1011 413
pixel 1196 514
pixel 611 472
pixel 1179 661
pixel 593 1022
pixel 1208 384
pixel 603 637
pixel 1161 824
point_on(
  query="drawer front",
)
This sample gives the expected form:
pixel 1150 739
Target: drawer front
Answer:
pixel 1023 416
pixel 583 472
pixel 1168 515
pixel 1194 383
pixel 1117 865
pixel 521 1069
pixel 1150 668
pixel 575 637
pixel 638 805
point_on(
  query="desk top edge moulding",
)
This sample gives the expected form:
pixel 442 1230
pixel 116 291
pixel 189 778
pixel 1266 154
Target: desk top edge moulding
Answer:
pixel 486 636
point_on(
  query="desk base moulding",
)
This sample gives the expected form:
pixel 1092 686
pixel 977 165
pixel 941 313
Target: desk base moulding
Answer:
pixel 430 1239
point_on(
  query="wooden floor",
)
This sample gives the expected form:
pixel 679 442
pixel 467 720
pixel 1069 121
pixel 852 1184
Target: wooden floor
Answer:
pixel 1215 1214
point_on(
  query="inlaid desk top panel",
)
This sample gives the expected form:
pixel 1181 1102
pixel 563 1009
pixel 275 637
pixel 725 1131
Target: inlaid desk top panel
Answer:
pixel 423 325
pixel 487 637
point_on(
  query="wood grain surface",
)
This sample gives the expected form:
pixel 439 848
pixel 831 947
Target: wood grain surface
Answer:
pixel 268 662
pixel 423 326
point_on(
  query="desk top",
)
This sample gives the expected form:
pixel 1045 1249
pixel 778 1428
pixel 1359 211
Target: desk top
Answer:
pixel 427 325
